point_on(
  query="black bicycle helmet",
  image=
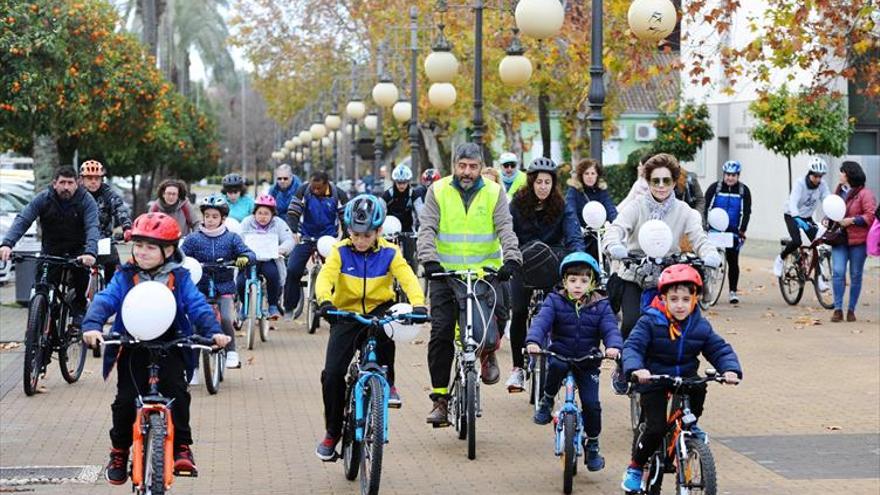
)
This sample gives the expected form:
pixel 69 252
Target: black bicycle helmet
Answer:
pixel 232 180
pixel 542 164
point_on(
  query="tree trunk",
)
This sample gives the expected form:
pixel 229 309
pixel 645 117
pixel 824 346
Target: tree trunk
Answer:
pixel 788 157
pixel 45 160
pixel 150 14
pixel 544 120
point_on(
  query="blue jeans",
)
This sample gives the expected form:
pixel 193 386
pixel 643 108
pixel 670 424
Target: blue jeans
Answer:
pixel 587 380
pixel 856 256
pixel 269 270
pixel 296 266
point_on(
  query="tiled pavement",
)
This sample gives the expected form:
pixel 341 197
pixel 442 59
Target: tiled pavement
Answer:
pixel 258 434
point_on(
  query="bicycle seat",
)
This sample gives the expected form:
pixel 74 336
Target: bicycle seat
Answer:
pixel 784 241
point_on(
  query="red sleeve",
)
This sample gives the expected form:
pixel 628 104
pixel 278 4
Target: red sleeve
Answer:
pixel 869 204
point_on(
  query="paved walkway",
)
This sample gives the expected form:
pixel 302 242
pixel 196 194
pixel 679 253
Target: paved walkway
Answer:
pixel 809 385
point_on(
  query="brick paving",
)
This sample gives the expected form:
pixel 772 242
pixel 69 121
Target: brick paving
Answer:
pixel 258 434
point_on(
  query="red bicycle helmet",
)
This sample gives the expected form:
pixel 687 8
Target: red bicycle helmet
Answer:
pixel 679 274
pixel 158 228
pixel 430 175
pixel 91 168
pixel 265 200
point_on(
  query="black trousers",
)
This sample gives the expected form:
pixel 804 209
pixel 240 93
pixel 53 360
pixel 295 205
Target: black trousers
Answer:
pixel 794 232
pixel 630 306
pixel 132 377
pixel 654 413
pixel 78 279
pixel 732 255
pixel 519 299
pixel 345 338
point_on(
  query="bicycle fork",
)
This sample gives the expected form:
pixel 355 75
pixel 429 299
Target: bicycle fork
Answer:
pixel 141 430
pixel 569 408
pixel 359 409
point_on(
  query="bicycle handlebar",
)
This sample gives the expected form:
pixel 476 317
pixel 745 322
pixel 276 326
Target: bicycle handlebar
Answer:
pixel 457 273
pixel 678 381
pixel 48 258
pixel 193 342
pixel 225 264
pixel 388 318
pixel 594 355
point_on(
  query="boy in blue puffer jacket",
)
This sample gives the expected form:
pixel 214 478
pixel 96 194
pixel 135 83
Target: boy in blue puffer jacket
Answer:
pixel 212 242
pixel 667 340
pixel 575 319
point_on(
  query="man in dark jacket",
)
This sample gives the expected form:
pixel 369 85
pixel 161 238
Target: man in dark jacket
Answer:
pixel 112 210
pixel 285 187
pixel 69 222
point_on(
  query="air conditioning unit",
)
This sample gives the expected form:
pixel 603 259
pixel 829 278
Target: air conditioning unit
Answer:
pixel 646 132
pixel 618 132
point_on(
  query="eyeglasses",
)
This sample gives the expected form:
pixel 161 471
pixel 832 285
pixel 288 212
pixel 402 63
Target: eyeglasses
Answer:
pixel 509 165
pixel 282 178
pixel 656 181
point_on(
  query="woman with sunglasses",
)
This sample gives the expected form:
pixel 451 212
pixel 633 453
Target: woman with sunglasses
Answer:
pixel 661 171
pixel 512 178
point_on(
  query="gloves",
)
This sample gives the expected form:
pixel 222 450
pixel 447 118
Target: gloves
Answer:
pixel 325 308
pixel 802 224
pixel 742 235
pixel 617 251
pixel 241 262
pixel 712 260
pixel 432 267
pixel 507 270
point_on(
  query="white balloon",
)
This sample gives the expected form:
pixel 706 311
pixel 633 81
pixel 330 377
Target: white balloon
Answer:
pixel 325 245
pixel 718 219
pixel 194 267
pixel 655 238
pixel 233 225
pixel 391 226
pixel 148 310
pixel 401 332
pixel 594 214
pixel 834 207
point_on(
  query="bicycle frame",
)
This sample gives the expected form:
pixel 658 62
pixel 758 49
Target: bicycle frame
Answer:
pixel 253 280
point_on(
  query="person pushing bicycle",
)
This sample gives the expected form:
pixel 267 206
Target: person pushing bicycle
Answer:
pixel 806 195
pixel 667 339
pixel 465 224
pixel 155 257
pixel 574 320
pixel 358 276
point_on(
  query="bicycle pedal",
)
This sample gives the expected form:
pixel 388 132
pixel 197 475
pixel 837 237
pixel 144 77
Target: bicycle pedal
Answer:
pixel 441 425
pixel 186 474
pixel 392 405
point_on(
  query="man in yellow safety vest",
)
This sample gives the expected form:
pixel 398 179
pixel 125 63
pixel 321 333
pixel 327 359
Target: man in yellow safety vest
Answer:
pixel 465 224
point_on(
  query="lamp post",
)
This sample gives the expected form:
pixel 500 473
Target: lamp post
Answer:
pixel 596 95
pixel 355 109
pixel 384 95
pixel 333 122
pixel 413 89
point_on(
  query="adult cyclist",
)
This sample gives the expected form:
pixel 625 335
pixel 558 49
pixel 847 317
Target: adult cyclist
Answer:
pixel 511 176
pixel 112 210
pixel 806 194
pixel 428 177
pixel 235 193
pixel 734 197
pixel 400 202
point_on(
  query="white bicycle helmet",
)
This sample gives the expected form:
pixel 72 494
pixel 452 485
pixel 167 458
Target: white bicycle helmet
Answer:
pixel 401 173
pixel 818 166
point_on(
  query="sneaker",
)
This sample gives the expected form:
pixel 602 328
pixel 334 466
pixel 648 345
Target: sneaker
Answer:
pixel 394 401
pixel 734 299
pixel 778 266
pixel 184 462
pixel 439 415
pixel 544 414
pixel 195 378
pixel 274 313
pixel 516 381
pixel 700 434
pixel 632 480
pixel 489 368
pixel 326 449
pixel 594 459
pixel 232 360
pixel 116 471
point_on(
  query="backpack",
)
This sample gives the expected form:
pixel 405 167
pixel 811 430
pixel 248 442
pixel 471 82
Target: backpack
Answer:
pixel 540 265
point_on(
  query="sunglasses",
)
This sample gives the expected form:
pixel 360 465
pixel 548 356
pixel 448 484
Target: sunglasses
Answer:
pixel 508 165
pixel 656 181
pixel 282 178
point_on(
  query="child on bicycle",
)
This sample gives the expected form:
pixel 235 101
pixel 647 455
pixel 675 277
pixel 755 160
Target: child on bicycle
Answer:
pixel 575 319
pixel 154 257
pixel 264 222
pixel 667 339
pixel 358 276
pixel 212 242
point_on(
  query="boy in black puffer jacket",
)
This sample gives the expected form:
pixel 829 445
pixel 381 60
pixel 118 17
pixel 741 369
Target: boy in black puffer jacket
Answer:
pixel 576 319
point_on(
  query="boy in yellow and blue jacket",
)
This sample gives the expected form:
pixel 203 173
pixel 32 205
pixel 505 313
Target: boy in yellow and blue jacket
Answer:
pixel 358 276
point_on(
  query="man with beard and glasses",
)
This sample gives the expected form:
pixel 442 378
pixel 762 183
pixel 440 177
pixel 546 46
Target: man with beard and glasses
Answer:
pixel 69 221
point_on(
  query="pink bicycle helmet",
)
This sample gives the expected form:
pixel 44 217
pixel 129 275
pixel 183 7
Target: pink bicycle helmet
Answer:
pixel 265 200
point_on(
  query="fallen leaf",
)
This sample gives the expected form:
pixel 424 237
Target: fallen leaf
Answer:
pixel 856 331
pixel 732 332
pixel 250 360
pixel 833 427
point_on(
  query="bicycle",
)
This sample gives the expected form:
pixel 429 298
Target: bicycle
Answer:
pixel 568 421
pixel 152 452
pixel 252 307
pixel 713 281
pixel 50 324
pixel 398 239
pixel 308 302
pixel 536 370
pixel 465 387
pixel 365 424
pixel 810 262
pixel 593 241
pixel 98 282
pixel 214 361
pixel 681 452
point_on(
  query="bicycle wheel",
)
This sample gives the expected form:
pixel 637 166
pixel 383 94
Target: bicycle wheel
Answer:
pixel 823 273
pixel 211 365
pixel 569 451
pixel 71 348
pixel 791 283
pixel 251 322
pixel 374 437
pixel 714 285
pixel 351 448
pixel 154 456
pixel 456 406
pixel 635 411
pixel 312 320
pixel 471 408
pixel 655 475
pixel 697 470
pixel 35 341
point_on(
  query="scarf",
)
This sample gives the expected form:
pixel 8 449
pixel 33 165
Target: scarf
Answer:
pixel 212 232
pixel 658 210
pixel 674 325
pixel 508 181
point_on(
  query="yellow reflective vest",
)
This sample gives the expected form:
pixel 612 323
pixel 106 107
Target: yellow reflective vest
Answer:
pixel 518 181
pixel 467 239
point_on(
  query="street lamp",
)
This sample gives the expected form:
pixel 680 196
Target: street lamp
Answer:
pixel 441 65
pixel 651 20
pixel 441 95
pixel 540 19
pixel 402 111
pixel 515 69
pixel 371 121
pixel 355 110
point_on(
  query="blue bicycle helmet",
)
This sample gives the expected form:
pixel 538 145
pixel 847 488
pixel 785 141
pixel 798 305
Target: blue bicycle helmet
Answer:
pixel 580 258
pixel 732 167
pixel 364 213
